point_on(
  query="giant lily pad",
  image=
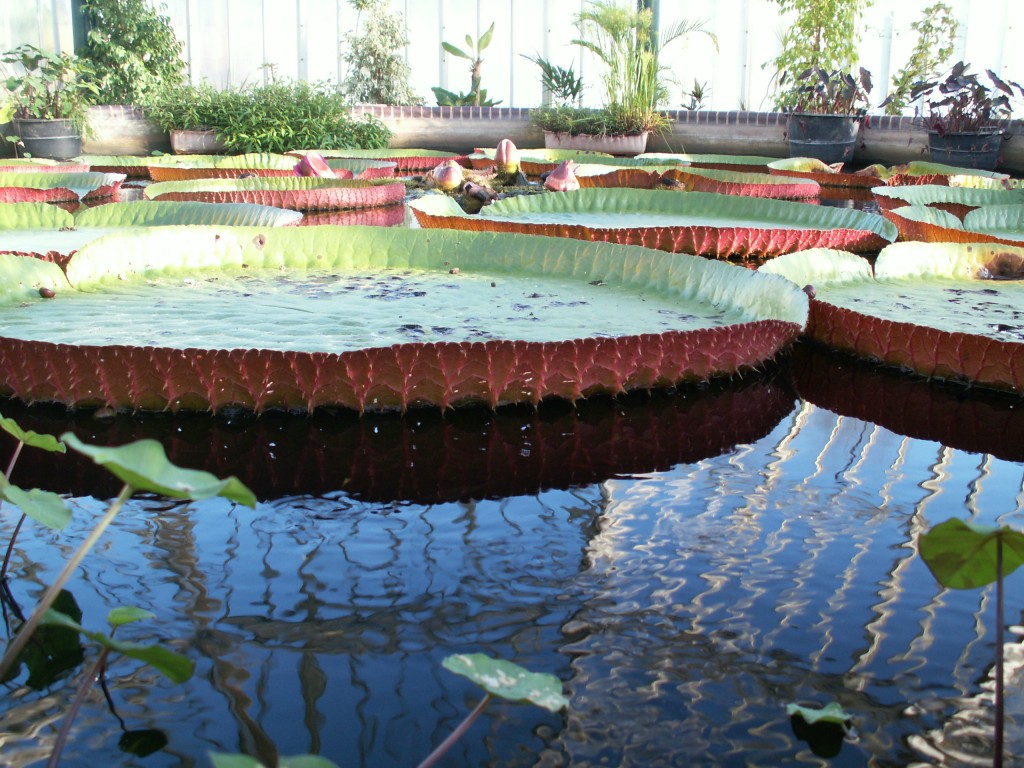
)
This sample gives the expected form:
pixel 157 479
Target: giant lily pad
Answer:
pixel 369 318
pixel 956 200
pixel 736 183
pixel 949 311
pixel 988 224
pixel 171 168
pixel 18 187
pixel 681 222
pixel 296 193
pixel 132 166
pixel 40 165
pixel 828 175
pixel 406 160
pixel 925 172
pixel 737 163
pixel 429 457
pixel 46 231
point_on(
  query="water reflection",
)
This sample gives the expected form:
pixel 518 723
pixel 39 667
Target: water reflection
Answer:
pixel 688 564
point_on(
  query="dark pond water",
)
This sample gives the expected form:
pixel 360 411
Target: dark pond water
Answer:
pixel 687 563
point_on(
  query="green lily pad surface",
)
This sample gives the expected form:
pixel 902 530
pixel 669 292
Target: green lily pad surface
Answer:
pixel 933 194
pixel 207 317
pixel 37 228
pixel 689 222
pixel 293 192
pixel 57 187
pixel 953 311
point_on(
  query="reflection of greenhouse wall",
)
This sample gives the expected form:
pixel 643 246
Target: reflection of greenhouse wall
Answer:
pixel 228 41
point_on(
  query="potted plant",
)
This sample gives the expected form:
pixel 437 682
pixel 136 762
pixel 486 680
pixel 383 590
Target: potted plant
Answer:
pixel 962 115
pixel 190 114
pixel 623 40
pixel 826 114
pixel 50 94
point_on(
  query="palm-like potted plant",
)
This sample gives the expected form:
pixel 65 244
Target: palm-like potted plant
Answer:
pixel 962 115
pixel 50 95
pixel 827 112
pixel 623 40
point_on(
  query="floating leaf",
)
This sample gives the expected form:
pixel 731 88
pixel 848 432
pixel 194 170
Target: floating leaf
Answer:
pixel 30 438
pixel 221 760
pixel 44 507
pixel 144 466
pixel 962 555
pixel 508 680
pixel 830 713
pixel 173 666
pixel 142 742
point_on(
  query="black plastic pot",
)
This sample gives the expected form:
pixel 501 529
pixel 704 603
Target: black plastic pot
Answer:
pixel 53 139
pixel 829 138
pixel 966 150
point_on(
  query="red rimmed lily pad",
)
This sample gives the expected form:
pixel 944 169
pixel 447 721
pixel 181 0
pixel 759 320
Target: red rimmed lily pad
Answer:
pixel 132 166
pixel 987 224
pixel 828 175
pixel 919 172
pixel 378 319
pixel 700 223
pixel 296 193
pixel 178 168
pixel 948 311
pixel 427 457
pixel 383 216
pixel 407 161
pixel 737 183
pixel 19 187
pixel 47 232
pixel 737 163
pixel 956 200
pixel 23 165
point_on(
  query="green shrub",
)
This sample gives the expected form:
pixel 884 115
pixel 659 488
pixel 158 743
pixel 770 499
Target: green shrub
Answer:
pixel 132 48
pixel 279 116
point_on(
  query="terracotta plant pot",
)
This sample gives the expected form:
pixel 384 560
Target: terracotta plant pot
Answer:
pixel 196 143
pixel 613 144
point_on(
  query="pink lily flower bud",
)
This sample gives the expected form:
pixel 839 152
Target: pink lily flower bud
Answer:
pixel 314 164
pixel 563 178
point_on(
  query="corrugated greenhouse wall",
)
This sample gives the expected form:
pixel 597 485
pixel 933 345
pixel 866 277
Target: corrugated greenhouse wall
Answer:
pixel 229 41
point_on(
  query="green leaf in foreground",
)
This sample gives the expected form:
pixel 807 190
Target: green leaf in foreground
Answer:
pixel 221 760
pixel 508 680
pixel 173 666
pixel 30 438
pixel 127 614
pixel 962 555
pixel 144 466
pixel 44 507
pixel 830 713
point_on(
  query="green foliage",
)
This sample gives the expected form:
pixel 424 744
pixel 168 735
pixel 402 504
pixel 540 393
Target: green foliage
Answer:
pixel 623 40
pixel 830 713
pixel 173 666
pixel 132 48
pixel 936 36
pixel 279 116
pixel 30 438
pixel 561 83
pixel 509 681
pixel 593 122
pixel 45 508
pixel 143 466
pixel 221 760
pixel 697 94
pixel 831 93
pixel 822 36
pixel 46 86
pixel 477 96
pixel 377 73
pixel 446 98
pixel 963 555
pixel 961 102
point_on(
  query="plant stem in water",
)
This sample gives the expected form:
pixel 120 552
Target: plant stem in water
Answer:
pixel 455 735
